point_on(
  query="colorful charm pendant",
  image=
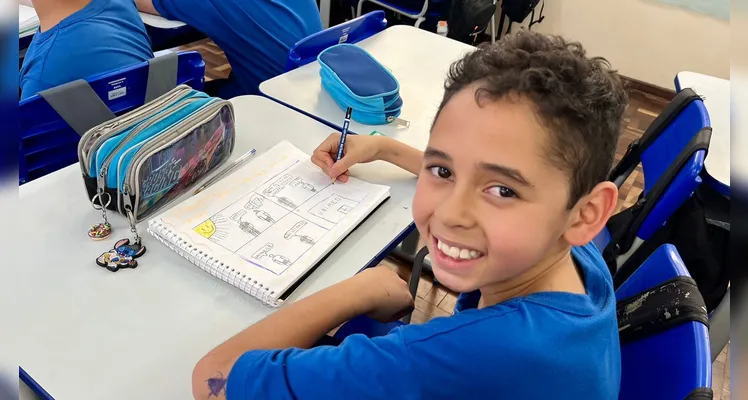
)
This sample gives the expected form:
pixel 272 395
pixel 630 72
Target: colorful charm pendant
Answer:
pixel 123 255
pixel 100 231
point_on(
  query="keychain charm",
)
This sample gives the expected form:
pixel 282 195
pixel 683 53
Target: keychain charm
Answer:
pixel 102 230
pixel 123 255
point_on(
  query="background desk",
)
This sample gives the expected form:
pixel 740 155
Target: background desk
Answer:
pixel 716 94
pixel 83 332
pixel 418 59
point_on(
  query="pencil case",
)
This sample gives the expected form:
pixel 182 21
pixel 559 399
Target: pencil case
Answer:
pixel 355 79
pixel 140 161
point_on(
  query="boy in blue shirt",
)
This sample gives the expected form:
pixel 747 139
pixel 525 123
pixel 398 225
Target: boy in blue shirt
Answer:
pixel 256 35
pixel 81 38
pixel 511 190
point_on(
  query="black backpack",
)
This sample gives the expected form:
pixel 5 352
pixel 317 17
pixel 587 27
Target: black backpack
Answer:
pixel 469 18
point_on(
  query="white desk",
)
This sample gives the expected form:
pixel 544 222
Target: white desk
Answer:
pixel 418 59
pixel 716 94
pixel 160 22
pixel 83 332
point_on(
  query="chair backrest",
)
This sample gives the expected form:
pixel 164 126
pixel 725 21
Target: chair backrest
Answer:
pixel 675 136
pixel 48 143
pixel 306 50
pixel 671 364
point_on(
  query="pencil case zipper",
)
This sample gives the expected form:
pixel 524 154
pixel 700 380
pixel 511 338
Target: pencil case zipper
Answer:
pixel 135 129
pixel 102 173
pixel 182 129
pixel 90 141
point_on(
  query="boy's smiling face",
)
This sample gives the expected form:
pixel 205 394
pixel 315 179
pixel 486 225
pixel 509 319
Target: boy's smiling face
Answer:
pixel 488 203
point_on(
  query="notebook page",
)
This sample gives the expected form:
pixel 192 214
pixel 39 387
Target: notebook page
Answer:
pixel 275 217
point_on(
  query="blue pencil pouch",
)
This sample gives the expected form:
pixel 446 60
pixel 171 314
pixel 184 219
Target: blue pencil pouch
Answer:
pixel 355 79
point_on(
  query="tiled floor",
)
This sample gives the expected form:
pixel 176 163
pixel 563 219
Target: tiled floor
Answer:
pixel 434 300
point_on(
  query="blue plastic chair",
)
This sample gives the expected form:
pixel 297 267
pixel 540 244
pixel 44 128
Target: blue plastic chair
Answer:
pixel 671 364
pixel 48 143
pixel 306 50
pixel 676 125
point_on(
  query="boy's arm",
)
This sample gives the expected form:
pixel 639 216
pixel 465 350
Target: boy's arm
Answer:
pixel 363 149
pixel 402 155
pixel 377 291
pixel 146 6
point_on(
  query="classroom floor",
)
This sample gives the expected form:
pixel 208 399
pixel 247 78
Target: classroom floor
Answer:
pixel 434 300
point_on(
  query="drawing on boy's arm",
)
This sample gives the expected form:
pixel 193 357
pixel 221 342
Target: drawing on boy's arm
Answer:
pixel 216 385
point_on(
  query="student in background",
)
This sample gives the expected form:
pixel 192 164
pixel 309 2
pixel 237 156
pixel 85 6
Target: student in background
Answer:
pixel 511 190
pixel 255 35
pixel 81 38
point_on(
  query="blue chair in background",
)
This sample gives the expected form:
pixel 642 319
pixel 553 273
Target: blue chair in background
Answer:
pixel 670 364
pixel 672 153
pixel 306 50
pixel 49 141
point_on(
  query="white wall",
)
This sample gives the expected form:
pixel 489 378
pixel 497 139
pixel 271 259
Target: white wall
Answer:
pixel 643 39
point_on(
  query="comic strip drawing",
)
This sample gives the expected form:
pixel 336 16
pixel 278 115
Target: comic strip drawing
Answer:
pixel 333 208
pixel 274 224
pixel 276 258
pixel 244 225
pixel 298 182
pixel 255 201
pixel 214 229
pixel 293 233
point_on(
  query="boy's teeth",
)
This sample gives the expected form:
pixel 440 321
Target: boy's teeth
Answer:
pixel 456 252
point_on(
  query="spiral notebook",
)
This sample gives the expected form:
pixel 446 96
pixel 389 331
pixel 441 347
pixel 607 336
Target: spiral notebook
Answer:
pixel 267 225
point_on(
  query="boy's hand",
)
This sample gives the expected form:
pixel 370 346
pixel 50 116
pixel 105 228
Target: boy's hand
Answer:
pixel 385 295
pixel 358 149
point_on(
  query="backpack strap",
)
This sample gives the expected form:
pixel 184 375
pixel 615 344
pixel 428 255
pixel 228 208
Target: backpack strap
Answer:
pixel 78 105
pixel 634 151
pixel 162 75
pixel 623 237
pixel 660 308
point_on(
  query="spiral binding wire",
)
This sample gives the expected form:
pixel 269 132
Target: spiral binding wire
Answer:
pixel 212 265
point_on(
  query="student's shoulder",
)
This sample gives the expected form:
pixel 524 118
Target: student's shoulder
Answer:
pixel 469 323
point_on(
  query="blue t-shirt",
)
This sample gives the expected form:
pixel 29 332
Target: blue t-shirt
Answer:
pixel 255 35
pixel 549 345
pixel 103 36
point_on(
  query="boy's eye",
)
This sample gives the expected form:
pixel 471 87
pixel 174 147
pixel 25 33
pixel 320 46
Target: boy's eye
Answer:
pixel 502 191
pixel 441 172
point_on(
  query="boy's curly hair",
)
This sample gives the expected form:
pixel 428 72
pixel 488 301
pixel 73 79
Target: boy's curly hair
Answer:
pixel 579 99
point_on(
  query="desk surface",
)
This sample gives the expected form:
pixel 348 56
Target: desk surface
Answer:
pixel 716 94
pixel 83 332
pixel 158 21
pixel 418 59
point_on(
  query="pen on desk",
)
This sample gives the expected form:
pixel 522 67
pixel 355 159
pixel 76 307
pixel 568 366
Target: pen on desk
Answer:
pixel 226 170
pixel 343 135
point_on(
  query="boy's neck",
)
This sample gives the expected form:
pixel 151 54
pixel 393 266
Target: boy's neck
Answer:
pixel 51 12
pixel 557 273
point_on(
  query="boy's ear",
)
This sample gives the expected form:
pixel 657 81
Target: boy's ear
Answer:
pixel 591 213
